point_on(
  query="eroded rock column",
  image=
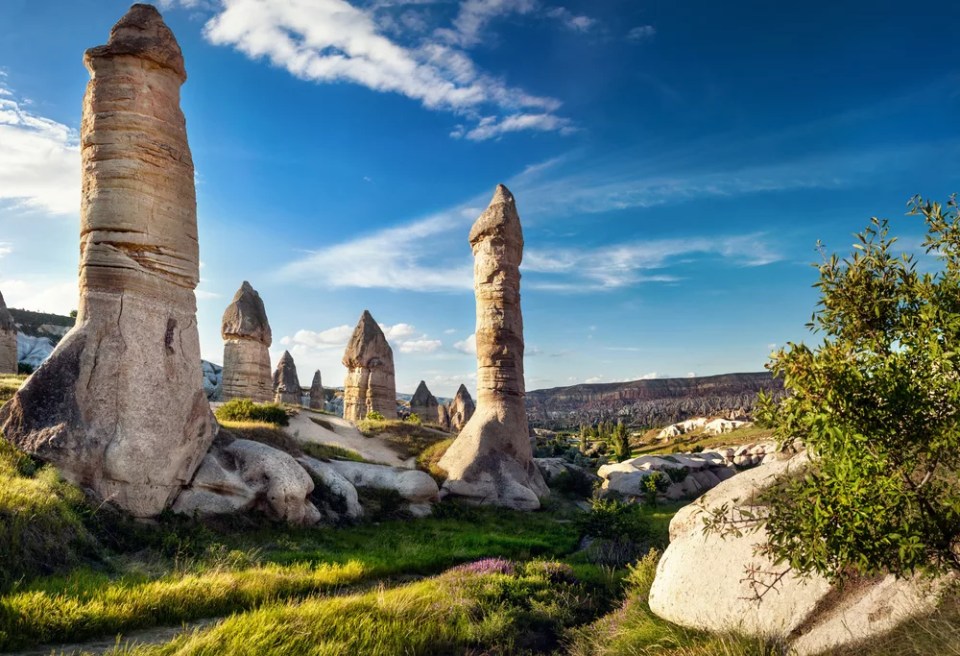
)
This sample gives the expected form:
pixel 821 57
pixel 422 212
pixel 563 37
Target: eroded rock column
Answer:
pixel 424 404
pixel 491 461
pixel 8 341
pixel 461 409
pixel 246 340
pixel 317 400
pixel 119 406
pixel 286 382
pixel 370 385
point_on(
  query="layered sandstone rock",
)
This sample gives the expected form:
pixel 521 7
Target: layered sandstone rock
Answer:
pixel 8 341
pixel 370 385
pixel 286 383
pixel 710 580
pixel 424 404
pixel 317 401
pixel 461 409
pixel 246 340
pixel 119 406
pixel 491 461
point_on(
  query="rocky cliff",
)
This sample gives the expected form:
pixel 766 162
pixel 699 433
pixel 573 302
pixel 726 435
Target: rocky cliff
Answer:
pixel 647 403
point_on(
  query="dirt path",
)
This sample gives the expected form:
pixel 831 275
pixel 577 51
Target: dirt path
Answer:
pixel 340 432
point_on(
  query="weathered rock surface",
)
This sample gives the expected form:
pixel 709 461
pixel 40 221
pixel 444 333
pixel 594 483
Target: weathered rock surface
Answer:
pixel 286 383
pixel 424 404
pixel 317 399
pixel 8 341
pixel 246 340
pixel 491 461
pixel 461 409
pixel 370 385
pixel 551 468
pixel 245 475
pixel 119 406
pixel 413 485
pixel 337 485
pixel 702 581
pixel 443 417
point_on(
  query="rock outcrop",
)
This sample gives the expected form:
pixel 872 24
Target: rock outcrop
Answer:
pixel 703 580
pixel 443 417
pixel 246 340
pixel 491 461
pixel 242 475
pixel 286 382
pixel 424 404
pixel 370 385
pixel 119 406
pixel 415 487
pixel 8 341
pixel 317 399
pixel 461 409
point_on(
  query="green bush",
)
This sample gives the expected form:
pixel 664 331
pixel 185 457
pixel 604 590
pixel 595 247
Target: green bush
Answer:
pixel 247 410
pixel 413 418
pixel 373 415
pixel 574 483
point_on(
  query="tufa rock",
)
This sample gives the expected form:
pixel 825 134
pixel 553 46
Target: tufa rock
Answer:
pixel 703 580
pixel 119 406
pixel 317 401
pixel 443 417
pixel 424 404
pixel 370 385
pixel 286 383
pixel 491 461
pixel 8 341
pixel 246 340
pixel 461 409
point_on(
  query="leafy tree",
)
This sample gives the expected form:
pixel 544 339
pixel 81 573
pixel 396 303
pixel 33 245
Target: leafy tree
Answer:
pixel 877 404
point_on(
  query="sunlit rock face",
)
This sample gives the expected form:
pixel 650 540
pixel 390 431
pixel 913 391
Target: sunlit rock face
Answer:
pixel 370 385
pixel 491 461
pixel 119 406
pixel 317 401
pixel 461 409
pixel 8 341
pixel 424 404
pixel 246 340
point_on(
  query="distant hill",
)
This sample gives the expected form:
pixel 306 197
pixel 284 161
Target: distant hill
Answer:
pixel 648 403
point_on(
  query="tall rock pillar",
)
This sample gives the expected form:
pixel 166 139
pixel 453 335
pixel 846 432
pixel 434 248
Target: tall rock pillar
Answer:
pixel 119 406
pixel 491 461
pixel 370 385
pixel 317 397
pixel 8 341
pixel 286 382
pixel 246 340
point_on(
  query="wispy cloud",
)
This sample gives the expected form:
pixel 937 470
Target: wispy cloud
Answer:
pixel 474 15
pixel 641 33
pixel 336 41
pixel 5 248
pixel 467 345
pixel 403 337
pixel 575 22
pixel 623 265
pixel 39 159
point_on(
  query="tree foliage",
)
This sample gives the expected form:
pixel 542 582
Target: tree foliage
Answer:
pixel 877 404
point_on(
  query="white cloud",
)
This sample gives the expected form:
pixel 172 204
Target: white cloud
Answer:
pixel 467 345
pixel 39 160
pixel 335 41
pixel 571 20
pixel 622 265
pixel 474 15
pixel 41 294
pixel 403 337
pixel 641 33
pixel 5 248
pixel 491 127
pixel 593 379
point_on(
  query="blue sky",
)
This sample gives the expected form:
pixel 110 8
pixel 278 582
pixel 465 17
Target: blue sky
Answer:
pixel 674 164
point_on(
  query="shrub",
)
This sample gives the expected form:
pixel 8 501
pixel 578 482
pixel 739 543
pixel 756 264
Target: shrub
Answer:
pixel 616 532
pixel 654 484
pixel 373 415
pixel 573 482
pixel 247 410
pixel 413 418
pixel 25 368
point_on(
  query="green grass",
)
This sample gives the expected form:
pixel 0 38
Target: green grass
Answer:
pixel 429 459
pixel 633 629
pixel 331 452
pixel 408 439
pixel 508 612
pixel 687 442
pixel 9 384
pixel 247 410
